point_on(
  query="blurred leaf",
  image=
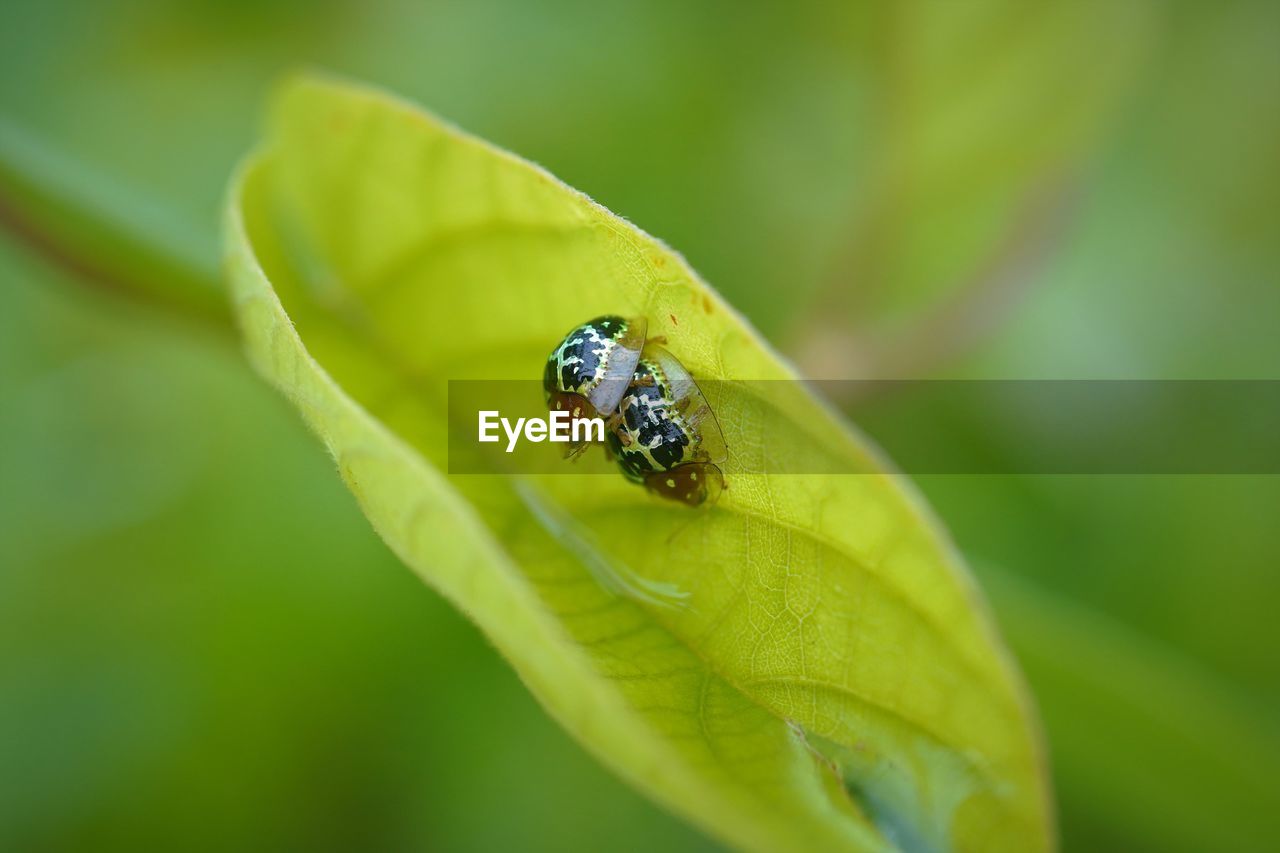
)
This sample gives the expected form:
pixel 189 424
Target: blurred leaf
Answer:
pixel 154 102
pixel 1180 221
pixel 1155 752
pixel 987 115
pixel 376 253
pixel 69 214
pixel 199 629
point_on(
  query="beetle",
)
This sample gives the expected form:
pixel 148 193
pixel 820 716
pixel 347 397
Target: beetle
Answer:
pixel 666 436
pixel 588 372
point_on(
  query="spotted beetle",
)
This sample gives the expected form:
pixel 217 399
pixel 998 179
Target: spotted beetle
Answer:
pixel 666 437
pixel 588 372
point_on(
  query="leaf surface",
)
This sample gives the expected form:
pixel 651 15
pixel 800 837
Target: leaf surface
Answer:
pixel 834 681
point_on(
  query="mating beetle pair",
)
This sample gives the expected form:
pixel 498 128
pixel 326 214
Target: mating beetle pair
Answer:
pixel 659 427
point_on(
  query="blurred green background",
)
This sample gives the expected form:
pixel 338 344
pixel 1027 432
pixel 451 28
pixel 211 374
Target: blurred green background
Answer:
pixel 203 645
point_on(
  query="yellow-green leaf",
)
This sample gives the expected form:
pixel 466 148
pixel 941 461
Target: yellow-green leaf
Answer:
pixel 834 682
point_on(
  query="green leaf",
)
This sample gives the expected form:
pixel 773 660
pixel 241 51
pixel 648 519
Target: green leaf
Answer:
pixel 834 682
pixel 72 216
pixel 1124 758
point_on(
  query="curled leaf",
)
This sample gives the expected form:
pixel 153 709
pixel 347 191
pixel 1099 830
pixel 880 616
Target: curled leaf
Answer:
pixel 831 680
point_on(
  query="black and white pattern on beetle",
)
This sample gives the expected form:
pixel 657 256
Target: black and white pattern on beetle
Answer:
pixel 666 437
pixel 585 352
pixel 655 433
pixel 593 364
